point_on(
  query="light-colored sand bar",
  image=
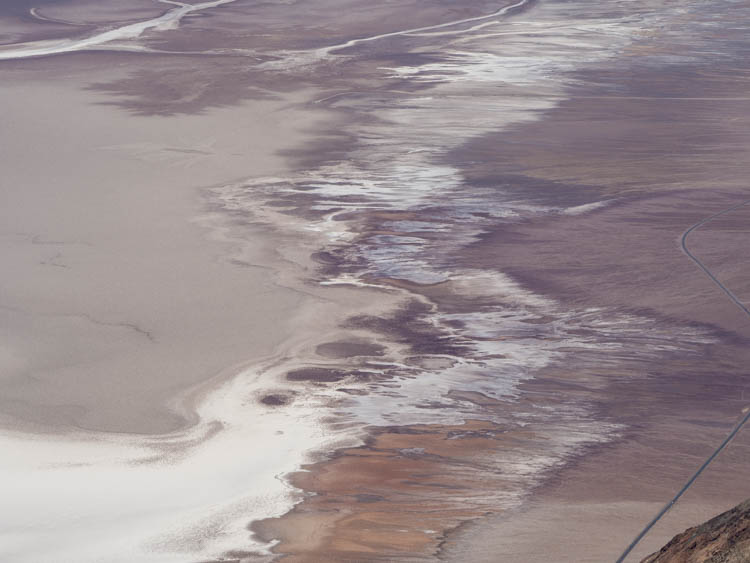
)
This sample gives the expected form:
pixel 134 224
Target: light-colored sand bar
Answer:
pixel 112 299
pixel 119 306
pixel 170 20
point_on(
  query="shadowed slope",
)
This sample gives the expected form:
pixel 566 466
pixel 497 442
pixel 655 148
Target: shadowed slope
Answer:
pixel 723 539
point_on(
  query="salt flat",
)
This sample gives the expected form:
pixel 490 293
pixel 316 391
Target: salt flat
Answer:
pixel 335 281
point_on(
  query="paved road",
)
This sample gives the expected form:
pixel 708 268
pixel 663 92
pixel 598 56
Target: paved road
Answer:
pixel 744 419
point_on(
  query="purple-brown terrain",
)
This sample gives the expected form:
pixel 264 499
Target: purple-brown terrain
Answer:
pixel 335 280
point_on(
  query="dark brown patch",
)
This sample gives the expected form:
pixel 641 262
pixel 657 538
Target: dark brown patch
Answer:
pixel 320 375
pixel 363 497
pixel 349 349
pixel 275 400
pixel 409 325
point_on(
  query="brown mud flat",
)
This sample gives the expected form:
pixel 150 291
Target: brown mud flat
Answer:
pixel 375 502
pixel 658 165
pixel 661 165
pixel 393 497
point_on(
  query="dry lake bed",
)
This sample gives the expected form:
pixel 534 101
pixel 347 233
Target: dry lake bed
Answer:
pixel 344 281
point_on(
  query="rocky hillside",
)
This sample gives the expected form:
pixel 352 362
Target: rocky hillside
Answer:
pixel 723 539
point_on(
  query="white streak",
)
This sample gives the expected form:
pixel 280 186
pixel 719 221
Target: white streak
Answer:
pixel 167 21
pixel 162 499
pixel 352 42
pixel 585 208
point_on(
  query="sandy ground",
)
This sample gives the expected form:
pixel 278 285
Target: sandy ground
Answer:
pixel 112 299
pixel 656 165
pixel 567 519
pixel 626 256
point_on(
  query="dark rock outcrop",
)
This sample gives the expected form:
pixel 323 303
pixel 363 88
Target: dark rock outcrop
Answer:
pixel 723 539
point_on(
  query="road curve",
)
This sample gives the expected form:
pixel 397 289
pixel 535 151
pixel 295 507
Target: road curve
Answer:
pixel 745 418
